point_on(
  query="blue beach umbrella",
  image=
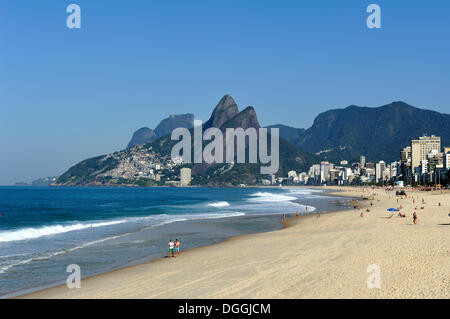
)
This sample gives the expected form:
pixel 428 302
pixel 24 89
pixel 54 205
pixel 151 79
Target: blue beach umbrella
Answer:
pixel 392 210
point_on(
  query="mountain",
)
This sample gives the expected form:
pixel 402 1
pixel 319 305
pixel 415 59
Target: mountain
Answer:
pixel 378 133
pixel 142 136
pixel 245 119
pixel 224 111
pixel 291 157
pixel 145 135
pixel 140 164
pixel 290 134
pixel 167 125
pixel 45 181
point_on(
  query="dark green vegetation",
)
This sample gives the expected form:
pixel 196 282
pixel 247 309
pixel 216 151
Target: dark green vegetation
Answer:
pixel 378 133
pixel 290 134
pixel 87 170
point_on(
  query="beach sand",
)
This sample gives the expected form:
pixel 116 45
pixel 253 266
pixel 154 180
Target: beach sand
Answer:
pixel 313 257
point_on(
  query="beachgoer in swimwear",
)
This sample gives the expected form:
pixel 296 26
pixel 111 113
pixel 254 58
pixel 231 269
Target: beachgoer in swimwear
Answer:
pixel 177 247
pixel 171 245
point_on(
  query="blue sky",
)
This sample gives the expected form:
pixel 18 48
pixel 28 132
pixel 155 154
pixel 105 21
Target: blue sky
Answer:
pixel 68 94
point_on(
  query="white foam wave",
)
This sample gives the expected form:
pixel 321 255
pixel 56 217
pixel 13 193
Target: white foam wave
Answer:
pixel 271 197
pixel 219 204
pixel 300 191
pixel 164 219
pixel 155 220
pixel 32 233
pixel 167 219
pixel 13 255
pixel 310 208
pixel 56 253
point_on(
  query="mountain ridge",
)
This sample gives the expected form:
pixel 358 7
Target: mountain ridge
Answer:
pixel 166 126
pixel 379 133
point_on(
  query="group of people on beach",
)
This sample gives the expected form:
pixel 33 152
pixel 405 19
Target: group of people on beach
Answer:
pixel 174 248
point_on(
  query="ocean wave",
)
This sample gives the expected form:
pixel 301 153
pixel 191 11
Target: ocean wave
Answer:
pixel 219 204
pixel 154 220
pixel 33 233
pixel 13 255
pixel 164 219
pixel 306 193
pixel 167 219
pixel 300 191
pixel 271 197
pixel 310 208
pixel 55 253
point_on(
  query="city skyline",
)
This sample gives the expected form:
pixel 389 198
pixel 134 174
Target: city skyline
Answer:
pixel 425 160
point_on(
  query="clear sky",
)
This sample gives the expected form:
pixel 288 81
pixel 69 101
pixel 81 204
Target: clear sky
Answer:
pixel 69 94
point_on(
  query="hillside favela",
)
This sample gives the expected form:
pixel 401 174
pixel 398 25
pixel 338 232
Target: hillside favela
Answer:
pixel 224 159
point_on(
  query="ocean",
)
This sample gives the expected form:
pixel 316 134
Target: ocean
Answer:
pixel 45 229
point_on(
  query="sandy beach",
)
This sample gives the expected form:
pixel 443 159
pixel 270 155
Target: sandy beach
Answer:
pixel 313 257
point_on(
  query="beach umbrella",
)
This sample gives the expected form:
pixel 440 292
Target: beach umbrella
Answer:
pixel 392 210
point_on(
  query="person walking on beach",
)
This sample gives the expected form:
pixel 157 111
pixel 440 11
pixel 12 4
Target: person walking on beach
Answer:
pixel 415 218
pixel 177 247
pixel 171 245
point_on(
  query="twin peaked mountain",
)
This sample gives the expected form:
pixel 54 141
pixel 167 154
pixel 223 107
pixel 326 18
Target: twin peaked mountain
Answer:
pixel 225 110
pixel 339 134
pixel 147 160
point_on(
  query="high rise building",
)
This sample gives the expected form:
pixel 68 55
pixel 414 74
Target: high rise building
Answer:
pixel 435 160
pixel 394 169
pixel 185 176
pixel 405 155
pixel 362 161
pixel 324 171
pixel 424 166
pixel 422 147
pixel 379 171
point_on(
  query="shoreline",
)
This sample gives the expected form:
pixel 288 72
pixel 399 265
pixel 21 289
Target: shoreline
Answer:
pixel 291 220
pixel 226 262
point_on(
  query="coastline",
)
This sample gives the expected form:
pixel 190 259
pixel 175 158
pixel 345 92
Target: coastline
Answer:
pixel 309 258
pixel 132 243
pixel 52 290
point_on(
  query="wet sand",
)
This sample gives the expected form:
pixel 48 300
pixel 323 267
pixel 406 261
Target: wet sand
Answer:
pixel 314 257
